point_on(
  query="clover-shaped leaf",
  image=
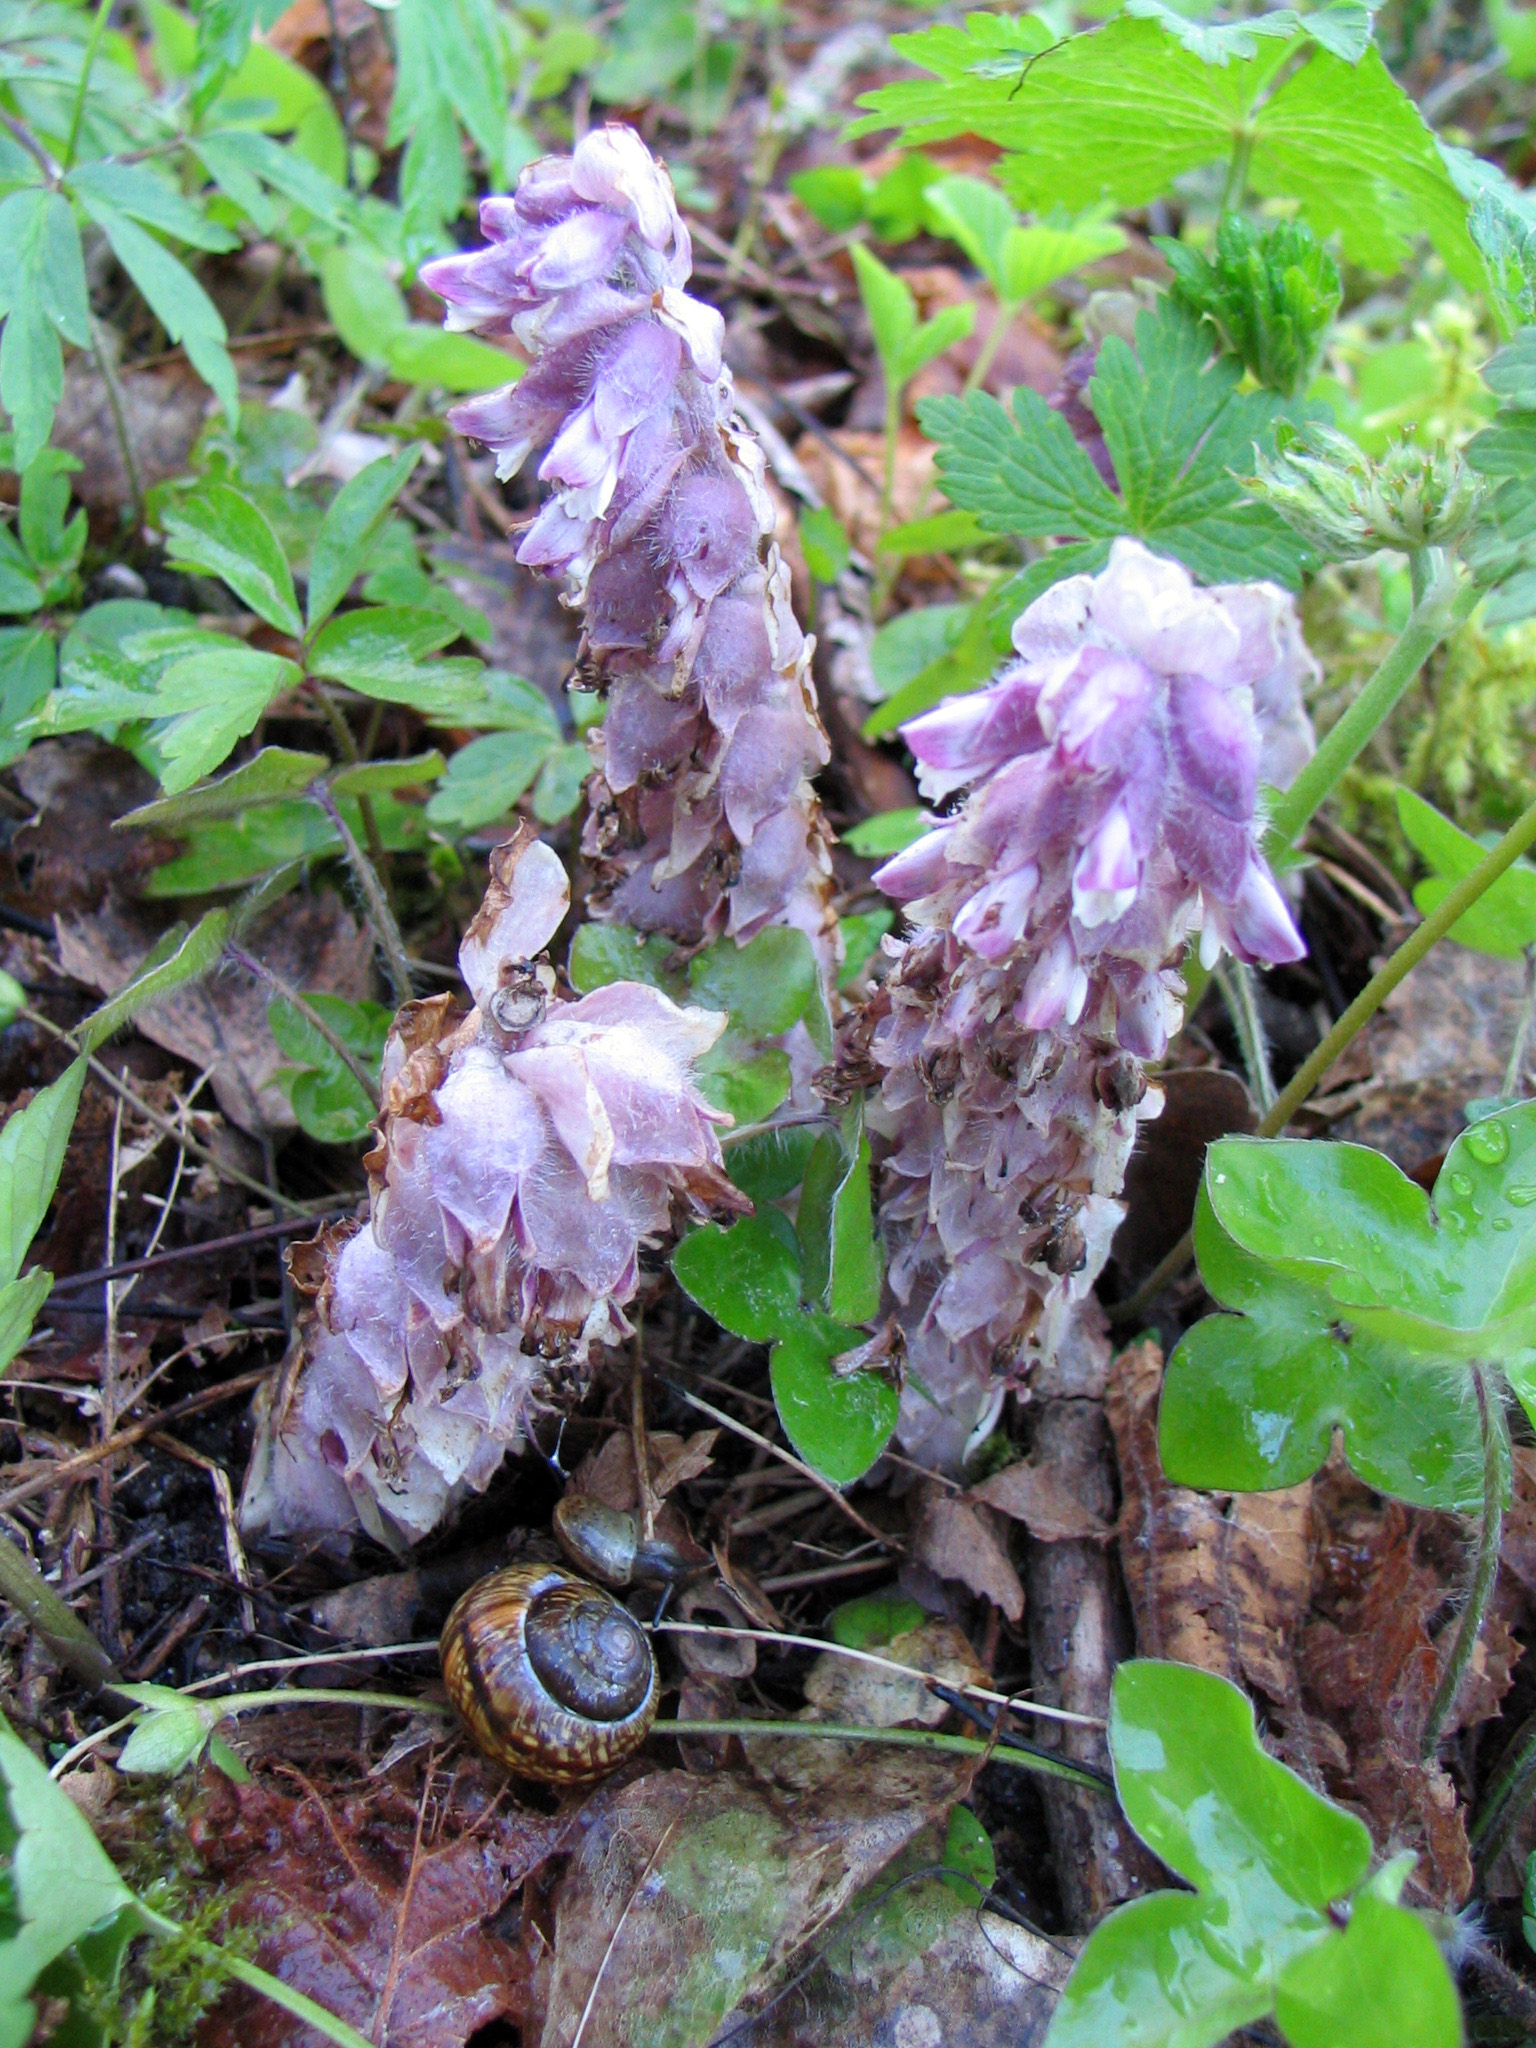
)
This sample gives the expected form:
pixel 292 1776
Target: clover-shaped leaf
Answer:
pixel 1361 1304
pixel 1281 1922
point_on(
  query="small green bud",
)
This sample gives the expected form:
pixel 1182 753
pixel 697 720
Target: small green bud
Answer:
pixel 1271 294
pixel 1347 506
pixel 13 999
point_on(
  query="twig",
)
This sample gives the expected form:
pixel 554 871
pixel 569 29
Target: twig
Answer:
pixel 787 1457
pixel 181 1254
pixel 1490 1411
pixel 259 971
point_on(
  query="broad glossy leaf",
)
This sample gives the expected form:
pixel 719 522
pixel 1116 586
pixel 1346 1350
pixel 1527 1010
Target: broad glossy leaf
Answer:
pixel 745 1277
pixel 1383 1982
pixel 219 532
pixel 1251 1400
pixel 352 523
pixel 32 1147
pixel 603 953
pixel 749 1085
pixel 839 1424
pixel 766 985
pixel 772 1163
pixel 836 1223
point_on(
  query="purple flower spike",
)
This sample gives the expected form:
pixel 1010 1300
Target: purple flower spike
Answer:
pixel 1112 775
pixel 527 1151
pixel 702 818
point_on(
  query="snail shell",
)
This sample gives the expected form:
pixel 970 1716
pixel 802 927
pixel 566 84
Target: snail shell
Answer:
pixel 606 1543
pixel 550 1676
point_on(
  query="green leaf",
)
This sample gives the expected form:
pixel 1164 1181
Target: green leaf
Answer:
pixel 1384 1984
pixel 28 671
pixel 219 532
pixel 604 953
pixel 382 653
pixel 836 1225
pixel 61 1881
pixel 766 985
pixel 1268 1859
pixel 1016 261
pixel 1360 1302
pixel 1503 921
pixel 825 544
pixel 486 778
pixel 175 298
pixel 1272 294
pixel 771 1164
pixel 862 934
pixel 42 299
pixel 54 543
pixel 878 838
pixel 968 1853
pixel 874 1619
pixel 197 954
pixel 748 1086
pixel 208 702
pixel 378 778
pixel 327 1098
pixel 889 308
pixel 20 1301
pixel 144 195
pixel 942 534
pixel 838 1423
pixel 32 1147
pixel 362 301
pixel 270 776
pixel 419 354
pixel 745 1277
pixel 352 523
pixel 835 195
pixel 169 1733
pixel 1337 135
pixel 562 780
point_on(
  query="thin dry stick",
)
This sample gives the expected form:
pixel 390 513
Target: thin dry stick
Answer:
pixel 977 1692
pixel 751 1436
pixel 111 1602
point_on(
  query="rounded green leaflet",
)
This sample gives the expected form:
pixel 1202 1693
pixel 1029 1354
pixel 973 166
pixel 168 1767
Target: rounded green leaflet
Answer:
pixel 1251 1400
pixel 746 1277
pixel 838 1423
pixel 1385 1981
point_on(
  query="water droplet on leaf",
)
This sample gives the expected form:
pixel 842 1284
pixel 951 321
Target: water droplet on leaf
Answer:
pixel 1488 1142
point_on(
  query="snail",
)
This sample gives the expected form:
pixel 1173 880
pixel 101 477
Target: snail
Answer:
pixel 551 1676
pixel 606 1543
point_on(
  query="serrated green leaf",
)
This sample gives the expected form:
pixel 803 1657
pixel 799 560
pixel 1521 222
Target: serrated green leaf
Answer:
pixel 1339 136
pixel 197 954
pixel 352 523
pixel 217 531
pixel 1026 475
pixel 207 702
pixel 562 780
pixel 272 776
pixel 175 298
pixel 32 1147
pixel 486 778
pixel 42 299
pixel 745 1277
pixel 838 1423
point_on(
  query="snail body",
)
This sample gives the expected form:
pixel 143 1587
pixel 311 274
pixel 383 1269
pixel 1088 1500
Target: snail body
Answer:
pixel 551 1676
pixel 606 1544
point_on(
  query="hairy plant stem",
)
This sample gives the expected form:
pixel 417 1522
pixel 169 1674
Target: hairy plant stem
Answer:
pixel 1506 1797
pixel 259 971
pixel 117 406
pixel 1490 1411
pixel 87 64
pixel 375 897
pixel 1516 841
pixel 1002 321
pixel 1239 991
pixel 259 1980
pixel 1443 607
pixel 66 1635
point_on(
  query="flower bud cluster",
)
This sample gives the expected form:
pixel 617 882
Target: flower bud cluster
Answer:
pixel 526 1153
pixel 702 816
pixel 1348 506
pixel 1112 776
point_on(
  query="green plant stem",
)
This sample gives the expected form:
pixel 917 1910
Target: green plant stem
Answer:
pixel 895 1738
pixel 237 1703
pixel 375 897
pixel 1490 1411
pixel 257 1979
pixel 1443 607
pixel 1516 841
pixel 66 1635
pixel 259 971
pixel 1237 170
pixel 117 405
pixel 1007 312
pixel 1238 988
pixel 1513 1073
pixel 87 64
pixel 1506 1796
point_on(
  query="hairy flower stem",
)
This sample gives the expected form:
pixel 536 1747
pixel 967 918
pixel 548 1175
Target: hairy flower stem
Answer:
pixel 1442 608
pixel 60 1628
pixel 1520 837
pixel 256 1979
pixel 375 897
pixel 1490 1410
pixel 896 1738
pixel 259 971
pixel 1506 1798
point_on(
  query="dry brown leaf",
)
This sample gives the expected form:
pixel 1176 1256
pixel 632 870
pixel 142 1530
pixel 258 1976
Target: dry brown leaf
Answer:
pixel 376 1909
pixel 311 941
pixel 687 1896
pixel 681 1461
pixel 959 1540
pixel 1037 1497
pixel 855 498
pixel 842 1689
